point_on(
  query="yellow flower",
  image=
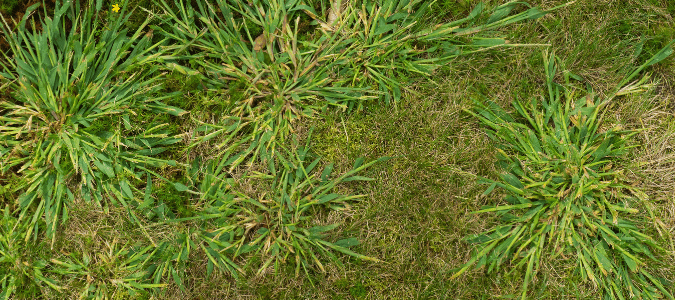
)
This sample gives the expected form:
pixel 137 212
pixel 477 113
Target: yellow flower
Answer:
pixel 116 8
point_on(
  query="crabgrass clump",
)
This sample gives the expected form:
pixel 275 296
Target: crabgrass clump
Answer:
pixel 277 224
pixel 356 54
pixel 271 226
pixel 63 79
pixel 566 194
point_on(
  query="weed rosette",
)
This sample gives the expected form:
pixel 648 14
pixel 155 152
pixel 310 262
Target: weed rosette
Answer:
pixel 565 191
pixel 64 80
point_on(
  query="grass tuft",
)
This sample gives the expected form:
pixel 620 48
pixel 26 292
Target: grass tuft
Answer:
pixel 280 77
pixel 68 84
pixel 566 194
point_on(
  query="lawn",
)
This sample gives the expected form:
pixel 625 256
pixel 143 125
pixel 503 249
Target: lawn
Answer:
pixel 176 161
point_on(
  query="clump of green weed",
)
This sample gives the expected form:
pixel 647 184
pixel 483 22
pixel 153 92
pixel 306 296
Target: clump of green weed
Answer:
pixel 286 78
pixel 69 85
pixel 275 224
pixel 269 227
pixel 566 195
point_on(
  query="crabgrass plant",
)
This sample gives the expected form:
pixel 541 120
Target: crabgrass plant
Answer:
pixel 78 70
pixel 275 226
pixel 566 196
pixel 293 70
pixel 278 224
